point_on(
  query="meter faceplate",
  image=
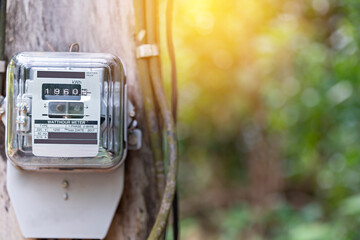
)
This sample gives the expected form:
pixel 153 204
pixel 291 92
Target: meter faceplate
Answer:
pixel 66 120
pixel 66 111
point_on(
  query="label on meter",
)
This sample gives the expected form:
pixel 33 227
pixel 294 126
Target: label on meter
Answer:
pixel 65 132
pixel 66 112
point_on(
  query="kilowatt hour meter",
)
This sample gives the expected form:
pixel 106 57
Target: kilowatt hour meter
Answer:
pixel 66 139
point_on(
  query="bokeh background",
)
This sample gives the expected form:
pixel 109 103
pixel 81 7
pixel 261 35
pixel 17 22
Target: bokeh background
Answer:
pixel 268 118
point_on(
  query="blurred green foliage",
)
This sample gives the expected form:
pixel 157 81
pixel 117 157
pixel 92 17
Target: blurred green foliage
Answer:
pixel 290 69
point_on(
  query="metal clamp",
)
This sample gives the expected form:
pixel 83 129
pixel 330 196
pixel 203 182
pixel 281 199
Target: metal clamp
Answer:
pixel 134 137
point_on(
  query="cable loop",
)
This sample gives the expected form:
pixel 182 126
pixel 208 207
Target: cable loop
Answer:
pixel 75 47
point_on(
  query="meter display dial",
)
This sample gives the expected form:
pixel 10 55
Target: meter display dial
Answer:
pixel 61 91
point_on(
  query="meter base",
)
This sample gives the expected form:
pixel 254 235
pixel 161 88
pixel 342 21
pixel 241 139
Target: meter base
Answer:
pixel 64 205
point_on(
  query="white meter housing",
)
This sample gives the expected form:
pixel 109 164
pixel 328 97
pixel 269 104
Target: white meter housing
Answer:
pixel 66 137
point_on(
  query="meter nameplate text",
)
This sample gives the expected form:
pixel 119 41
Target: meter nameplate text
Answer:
pixel 65 132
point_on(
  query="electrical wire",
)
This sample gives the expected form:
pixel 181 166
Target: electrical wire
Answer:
pixel 171 49
pixel 74 47
pixel 169 126
pixel 174 100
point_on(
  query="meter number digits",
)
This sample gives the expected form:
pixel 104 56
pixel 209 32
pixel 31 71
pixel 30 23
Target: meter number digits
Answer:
pixel 52 91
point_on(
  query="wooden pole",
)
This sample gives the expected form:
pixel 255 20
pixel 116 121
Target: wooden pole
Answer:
pixel 98 26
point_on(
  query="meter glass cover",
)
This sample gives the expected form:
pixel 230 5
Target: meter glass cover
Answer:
pixel 65 111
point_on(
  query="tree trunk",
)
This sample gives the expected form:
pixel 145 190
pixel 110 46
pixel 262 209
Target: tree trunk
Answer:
pixel 98 26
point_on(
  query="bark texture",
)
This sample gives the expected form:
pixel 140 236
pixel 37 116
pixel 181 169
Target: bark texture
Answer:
pixel 98 26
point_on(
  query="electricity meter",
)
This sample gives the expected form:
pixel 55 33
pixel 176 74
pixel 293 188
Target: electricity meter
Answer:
pixel 65 111
pixel 66 139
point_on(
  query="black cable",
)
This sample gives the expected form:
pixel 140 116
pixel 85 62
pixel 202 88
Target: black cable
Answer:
pixel 174 101
pixel 176 226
